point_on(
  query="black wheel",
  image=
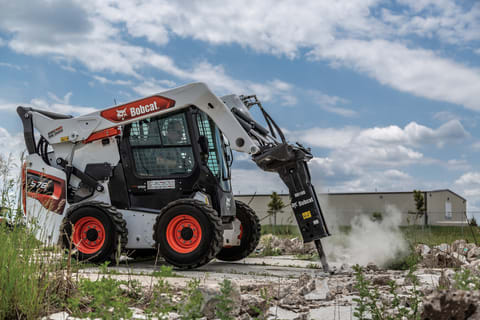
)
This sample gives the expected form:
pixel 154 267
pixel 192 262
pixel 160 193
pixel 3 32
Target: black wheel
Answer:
pixel 98 231
pixel 188 233
pixel 250 234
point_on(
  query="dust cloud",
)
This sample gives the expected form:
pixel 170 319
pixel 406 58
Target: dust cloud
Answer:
pixel 379 242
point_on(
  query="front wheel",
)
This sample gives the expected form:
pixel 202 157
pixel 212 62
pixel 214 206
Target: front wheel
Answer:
pixel 250 234
pixel 188 233
pixel 96 230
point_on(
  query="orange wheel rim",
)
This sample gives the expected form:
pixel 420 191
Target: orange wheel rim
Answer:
pixel 89 235
pixel 184 233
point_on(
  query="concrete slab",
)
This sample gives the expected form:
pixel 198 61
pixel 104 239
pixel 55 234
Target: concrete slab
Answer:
pixel 321 291
pixel 333 313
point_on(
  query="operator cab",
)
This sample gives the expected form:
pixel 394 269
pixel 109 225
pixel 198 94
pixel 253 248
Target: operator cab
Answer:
pixel 179 155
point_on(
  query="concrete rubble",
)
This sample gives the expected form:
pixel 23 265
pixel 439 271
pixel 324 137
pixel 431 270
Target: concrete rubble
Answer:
pixel 284 287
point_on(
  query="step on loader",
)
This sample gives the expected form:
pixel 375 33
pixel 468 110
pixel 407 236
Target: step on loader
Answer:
pixel 154 174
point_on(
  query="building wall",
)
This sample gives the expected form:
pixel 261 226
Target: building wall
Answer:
pixel 436 203
pixel 342 208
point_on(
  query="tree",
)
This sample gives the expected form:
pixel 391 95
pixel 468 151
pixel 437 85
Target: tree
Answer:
pixel 274 206
pixel 419 204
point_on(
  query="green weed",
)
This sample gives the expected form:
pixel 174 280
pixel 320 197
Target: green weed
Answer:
pixel 102 298
pixel 370 306
pixel 192 301
pixel 165 271
pixel 224 307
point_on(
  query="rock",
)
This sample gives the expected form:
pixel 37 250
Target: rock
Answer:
pixel 57 316
pixel 460 257
pixel 346 268
pixel 422 250
pixel 292 299
pixel 372 267
pixel 381 280
pixel 284 291
pixel 474 266
pixel 244 316
pixel 473 254
pixel 451 304
pixel 303 280
pixel 302 316
pixel 253 305
pixel 443 259
pixel 443 247
pixel 320 292
pixel 458 244
pixel 173 316
pixel 445 280
pixel 138 314
pixel 210 299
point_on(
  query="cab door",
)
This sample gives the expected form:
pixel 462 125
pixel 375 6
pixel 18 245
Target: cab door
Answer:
pixel 159 160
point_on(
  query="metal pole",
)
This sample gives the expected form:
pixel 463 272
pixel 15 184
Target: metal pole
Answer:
pixel 321 254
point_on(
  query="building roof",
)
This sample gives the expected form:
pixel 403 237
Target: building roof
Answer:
pixel 355 193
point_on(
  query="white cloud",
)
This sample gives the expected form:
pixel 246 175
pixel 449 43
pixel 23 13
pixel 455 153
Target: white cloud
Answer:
pixel 468 184
pixel 447 20
pixel 348 34
pixel 55 104
pixel 417 71
pixel 152 86
pixel 249 181
pixel 10 65
pixel 11 144
pixel 331 103
pixel 413 134
pixel 359 159
pixel 104 80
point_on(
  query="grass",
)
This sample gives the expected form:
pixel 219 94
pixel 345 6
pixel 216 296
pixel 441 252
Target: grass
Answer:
pixel 31 282
pixel 435 235
pixel 429 235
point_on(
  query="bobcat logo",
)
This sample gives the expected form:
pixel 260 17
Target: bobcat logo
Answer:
pixel 122 114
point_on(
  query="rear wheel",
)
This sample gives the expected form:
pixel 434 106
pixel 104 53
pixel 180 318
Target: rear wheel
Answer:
pixel 249 235
pixel 96 230
pixel 188 233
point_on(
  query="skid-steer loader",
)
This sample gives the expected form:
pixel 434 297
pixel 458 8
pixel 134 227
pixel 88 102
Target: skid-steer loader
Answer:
pixel 155 174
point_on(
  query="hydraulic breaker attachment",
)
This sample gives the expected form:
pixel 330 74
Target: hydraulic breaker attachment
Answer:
pixel 290 162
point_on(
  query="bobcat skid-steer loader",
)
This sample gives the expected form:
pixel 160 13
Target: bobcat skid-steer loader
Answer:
pixel 155 174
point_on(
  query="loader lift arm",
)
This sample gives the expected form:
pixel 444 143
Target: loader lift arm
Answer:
pixel 290 162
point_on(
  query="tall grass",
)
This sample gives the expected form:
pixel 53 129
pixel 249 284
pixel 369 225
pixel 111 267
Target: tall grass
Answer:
pixel 30 282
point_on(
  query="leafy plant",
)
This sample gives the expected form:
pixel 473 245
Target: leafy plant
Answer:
pixel 370 306
pixel 161 301
pixel 224 306
pixel 466 280
pixel 102 298
pixel 377 216
pixel 268 249
pixel 192 301
pixel 165 271
pixel 473 222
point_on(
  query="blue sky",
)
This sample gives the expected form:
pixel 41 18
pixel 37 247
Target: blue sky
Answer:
pixel 387 93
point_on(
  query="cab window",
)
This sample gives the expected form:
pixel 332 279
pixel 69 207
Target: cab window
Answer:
pixel 161 146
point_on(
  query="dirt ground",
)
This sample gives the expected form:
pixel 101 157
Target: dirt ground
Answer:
pixel 285 287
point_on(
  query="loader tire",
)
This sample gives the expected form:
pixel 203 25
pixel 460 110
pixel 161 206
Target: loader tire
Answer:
pixel 250 234
pixel 99 231
pixel 188 233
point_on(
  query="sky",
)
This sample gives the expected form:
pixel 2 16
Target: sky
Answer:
pixel 386 93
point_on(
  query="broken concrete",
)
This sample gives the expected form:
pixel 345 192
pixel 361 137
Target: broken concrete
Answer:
pixel 452 304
